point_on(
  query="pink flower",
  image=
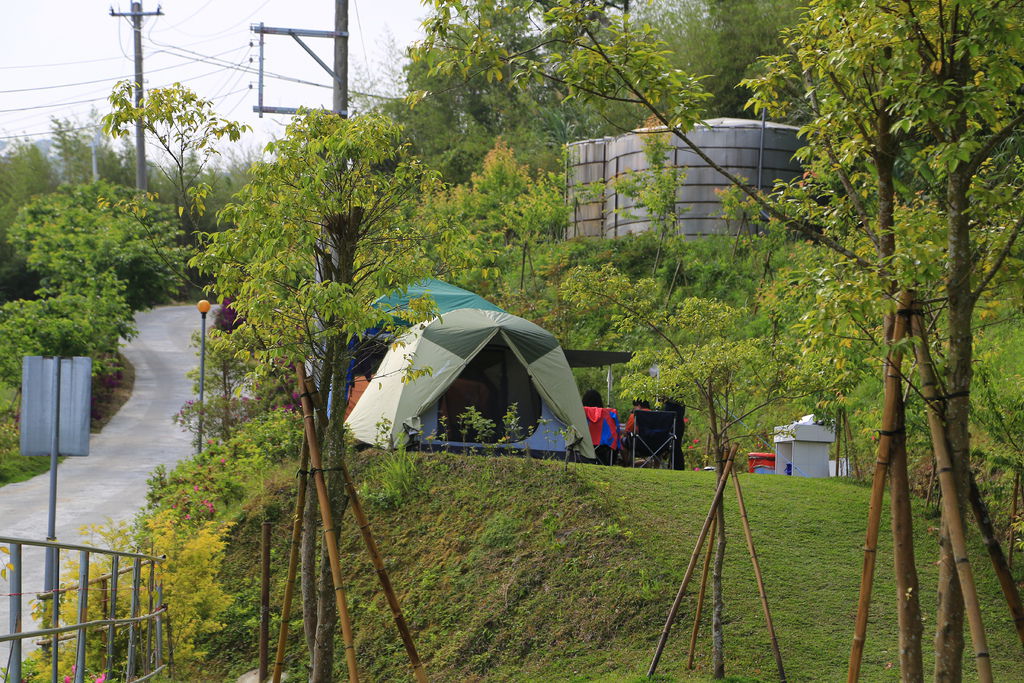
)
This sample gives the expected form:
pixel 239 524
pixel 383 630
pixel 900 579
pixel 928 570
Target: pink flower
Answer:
pixel 188 516
pixel 696 440
pixel 101 679
pixel 222 461
pixel 196 487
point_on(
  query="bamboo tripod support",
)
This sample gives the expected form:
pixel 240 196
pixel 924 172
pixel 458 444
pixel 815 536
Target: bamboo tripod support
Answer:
pixel 760 580
pixel 951 501
pixel 293 564
pixel 330 533
pixel 995 553
pixel 893 362
pixel 700 595
pixel 382 574
pixel 1013 514
pixel 716 501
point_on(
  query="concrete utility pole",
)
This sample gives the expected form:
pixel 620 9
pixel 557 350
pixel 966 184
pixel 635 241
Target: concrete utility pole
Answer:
pixel 339 74
pixel 141 178
pixel 341 57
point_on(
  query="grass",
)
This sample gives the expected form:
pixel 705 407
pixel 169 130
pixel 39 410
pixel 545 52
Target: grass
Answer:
pixel 520 570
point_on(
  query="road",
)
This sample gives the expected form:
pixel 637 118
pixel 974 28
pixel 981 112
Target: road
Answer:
pixel 110 484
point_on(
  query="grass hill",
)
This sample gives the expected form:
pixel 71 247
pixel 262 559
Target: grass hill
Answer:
pixel 522 570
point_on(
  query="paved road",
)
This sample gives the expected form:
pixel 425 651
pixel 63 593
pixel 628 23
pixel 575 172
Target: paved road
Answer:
pixel 111 482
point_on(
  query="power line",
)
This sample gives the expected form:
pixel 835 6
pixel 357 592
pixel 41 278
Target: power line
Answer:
pixel 110 78
pixel 93 126
pixel 54 64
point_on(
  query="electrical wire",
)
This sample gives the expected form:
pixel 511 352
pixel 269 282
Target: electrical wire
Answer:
pixel 112 78
pixel 54 64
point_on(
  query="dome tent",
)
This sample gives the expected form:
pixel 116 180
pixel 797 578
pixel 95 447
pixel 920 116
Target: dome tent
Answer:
pixel 475 356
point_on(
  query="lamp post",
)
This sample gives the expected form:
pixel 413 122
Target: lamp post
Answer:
pixel 204 307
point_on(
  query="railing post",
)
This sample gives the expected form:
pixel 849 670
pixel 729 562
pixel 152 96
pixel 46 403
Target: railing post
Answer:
pixel 14 669
pixel 83 614
pixel 112 614
pixel 132 628
pixel 147 662
pixel 160 626
pixel 55 588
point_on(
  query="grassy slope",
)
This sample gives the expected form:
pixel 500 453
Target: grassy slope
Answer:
pixel 514 570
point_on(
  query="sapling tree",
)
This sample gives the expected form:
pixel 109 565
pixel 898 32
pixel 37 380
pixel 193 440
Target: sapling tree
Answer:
pixel 185 129
pixel 704 361
pixel 324 228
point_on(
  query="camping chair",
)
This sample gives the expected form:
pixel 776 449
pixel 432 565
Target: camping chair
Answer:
pixel 653 438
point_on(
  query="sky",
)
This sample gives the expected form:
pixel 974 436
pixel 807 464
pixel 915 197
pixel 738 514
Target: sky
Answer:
pixel 61 58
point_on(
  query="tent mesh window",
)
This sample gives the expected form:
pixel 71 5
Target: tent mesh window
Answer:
pixel 492 382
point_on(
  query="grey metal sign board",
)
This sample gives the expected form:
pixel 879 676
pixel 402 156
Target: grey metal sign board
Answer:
pixel 44 384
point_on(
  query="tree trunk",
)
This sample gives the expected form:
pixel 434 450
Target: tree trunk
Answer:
pixel 718 600
pixel 322 670
pixel 307 559
pixel 949 616
pixel 949 639
pixel 905 570
pixel 951 607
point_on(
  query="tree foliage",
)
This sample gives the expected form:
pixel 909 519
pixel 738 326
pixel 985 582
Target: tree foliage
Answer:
pixel 79 233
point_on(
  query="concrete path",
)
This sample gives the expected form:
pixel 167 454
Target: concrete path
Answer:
pixel 110 484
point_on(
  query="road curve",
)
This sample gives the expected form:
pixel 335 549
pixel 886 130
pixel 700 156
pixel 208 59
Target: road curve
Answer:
pixel 111 482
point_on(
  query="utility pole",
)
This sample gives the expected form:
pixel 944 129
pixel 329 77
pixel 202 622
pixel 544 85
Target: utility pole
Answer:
pixel 339 74
pixel 341 57
pixel 136 13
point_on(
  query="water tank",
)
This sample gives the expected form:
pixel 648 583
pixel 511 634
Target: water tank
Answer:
pixel 741 146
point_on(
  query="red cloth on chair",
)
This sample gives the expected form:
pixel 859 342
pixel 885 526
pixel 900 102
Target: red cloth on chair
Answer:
pixel 604 426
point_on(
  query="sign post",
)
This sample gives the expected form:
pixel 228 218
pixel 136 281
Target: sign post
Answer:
pixel 55 398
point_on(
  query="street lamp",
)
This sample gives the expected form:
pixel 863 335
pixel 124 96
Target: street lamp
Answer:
pixel 204 307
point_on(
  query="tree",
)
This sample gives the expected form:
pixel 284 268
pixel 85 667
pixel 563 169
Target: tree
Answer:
pixel 79 233
pixel 701 362
pixel 323 228
pixel 912 148
pixel 723 39
pixel 185 128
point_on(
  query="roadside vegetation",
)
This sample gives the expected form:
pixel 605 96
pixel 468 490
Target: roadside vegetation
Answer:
pixel 909 212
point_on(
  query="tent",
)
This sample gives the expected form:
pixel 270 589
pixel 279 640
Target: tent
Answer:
pixel 509 370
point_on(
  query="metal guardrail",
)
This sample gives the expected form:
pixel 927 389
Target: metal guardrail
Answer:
pixel 146 642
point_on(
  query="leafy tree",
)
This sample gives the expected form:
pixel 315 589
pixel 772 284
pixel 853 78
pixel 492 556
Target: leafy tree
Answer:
pixel 912 150
pixel 723 39
pixel 85 321
pixel 24 172
pixel 323 229
pixel 185 128
pixel 79 233
pixel 701 363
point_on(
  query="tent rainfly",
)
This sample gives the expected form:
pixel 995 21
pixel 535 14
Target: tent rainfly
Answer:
pixel 509 370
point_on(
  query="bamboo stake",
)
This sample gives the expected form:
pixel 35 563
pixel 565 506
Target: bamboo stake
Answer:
pixel 995 553
pixel 330 534
pixel 951 502
pixel 1013 514
pixel 760 579
pixel 893 361
pixel 716 501
pixel 382 574
pixel 293 563
pixel 700 595
pixel 264 637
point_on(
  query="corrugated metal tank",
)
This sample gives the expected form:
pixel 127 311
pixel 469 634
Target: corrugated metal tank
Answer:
pixel 735 144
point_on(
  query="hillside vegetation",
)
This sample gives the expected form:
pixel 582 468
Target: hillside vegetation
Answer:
pixel 513 569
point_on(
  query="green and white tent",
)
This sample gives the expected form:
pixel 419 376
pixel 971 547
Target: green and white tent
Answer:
pixel 509 370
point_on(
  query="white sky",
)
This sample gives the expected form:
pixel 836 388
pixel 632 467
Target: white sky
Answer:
pixel 62 57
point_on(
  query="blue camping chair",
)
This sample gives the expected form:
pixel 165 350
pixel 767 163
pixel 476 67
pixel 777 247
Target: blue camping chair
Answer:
pixel 653 440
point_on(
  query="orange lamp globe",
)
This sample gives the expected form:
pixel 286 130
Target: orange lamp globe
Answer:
pixel 203 306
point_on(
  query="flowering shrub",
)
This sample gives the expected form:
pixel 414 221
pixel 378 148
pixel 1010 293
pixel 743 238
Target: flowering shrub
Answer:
pixel 197 488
